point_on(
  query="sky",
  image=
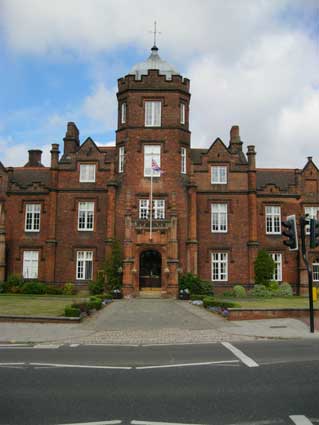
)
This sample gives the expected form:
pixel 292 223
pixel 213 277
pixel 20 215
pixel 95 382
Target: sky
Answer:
pixel 252 63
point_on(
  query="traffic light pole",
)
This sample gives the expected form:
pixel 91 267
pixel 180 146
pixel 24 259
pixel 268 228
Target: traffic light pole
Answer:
pixel 303 223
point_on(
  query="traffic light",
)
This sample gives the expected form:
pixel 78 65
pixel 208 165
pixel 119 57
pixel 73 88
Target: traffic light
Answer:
pixel 314 233
pixel 291 232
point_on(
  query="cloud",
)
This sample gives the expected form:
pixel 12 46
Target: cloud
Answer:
pixel 13 154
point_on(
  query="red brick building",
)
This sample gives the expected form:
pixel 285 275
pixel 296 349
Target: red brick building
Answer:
pixel 212 209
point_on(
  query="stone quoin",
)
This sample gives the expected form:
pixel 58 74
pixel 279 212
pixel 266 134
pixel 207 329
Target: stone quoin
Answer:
pixel 211 210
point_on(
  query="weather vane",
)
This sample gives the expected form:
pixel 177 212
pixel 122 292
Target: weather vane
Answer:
pixel 155 32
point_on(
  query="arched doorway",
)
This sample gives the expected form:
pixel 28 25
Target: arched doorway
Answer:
pixel 150 269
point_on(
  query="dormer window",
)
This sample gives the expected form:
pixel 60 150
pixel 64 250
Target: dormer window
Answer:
pixel 153 113
pixel 123 113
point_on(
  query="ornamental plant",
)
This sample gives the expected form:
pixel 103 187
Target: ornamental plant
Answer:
pixel 264 268
pixel 112 267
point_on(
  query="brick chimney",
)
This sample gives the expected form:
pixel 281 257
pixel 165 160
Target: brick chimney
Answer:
pixel 71 139
pixel 54 155
pixel 235 144
pixel 34 158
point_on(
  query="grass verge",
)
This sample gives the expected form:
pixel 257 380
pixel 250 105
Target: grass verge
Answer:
pixel 284 302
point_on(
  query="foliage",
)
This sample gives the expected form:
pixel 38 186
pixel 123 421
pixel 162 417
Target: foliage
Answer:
pixel 70 311
pixel 261 291
pixel 229 294
pixel 97 286
pixel 34 287
pixel 94 303
pixel 239 291
pixel 113 266
pixel 274 285
pixel 68 289
pixel 1 287
pixel 13 284
pixel 195 297
pixel 54 290
pixel 212 302
pixel 284 290
pixel 195 285
pixel 83 306
pixel 264 268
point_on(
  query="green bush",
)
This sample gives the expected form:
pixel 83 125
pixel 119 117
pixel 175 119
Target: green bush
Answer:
pixel 83 306
pixel 70 311
pixel 94 303
pixel 284 290
pixel 239 291
pixel 274 285
pixel 261 291
pixel 13 283
pixel 229 294
pixel 54 290
pixel 195 297
pixel 211 302
pixel 264 268
pixel 1 287
pixel 96 287
pixel 34 288
pixel 195 285
pixel 68 289
pixel 113 267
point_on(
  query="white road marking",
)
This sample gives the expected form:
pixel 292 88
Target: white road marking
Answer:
pixel 74 345
pixel 80 366
pixel 11 364
pixel 238 353
pixel 186 364
pixel 159 423
pixel 300 420
pixel 96 423
pixel 47 346
pixel 13 345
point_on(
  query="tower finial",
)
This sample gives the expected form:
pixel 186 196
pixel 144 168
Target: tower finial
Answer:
pixel 155 33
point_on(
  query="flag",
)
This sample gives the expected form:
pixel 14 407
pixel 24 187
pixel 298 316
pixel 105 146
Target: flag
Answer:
pixel 156 167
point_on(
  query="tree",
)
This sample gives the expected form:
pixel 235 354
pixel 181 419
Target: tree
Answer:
pixel 113 267
pixel 264 268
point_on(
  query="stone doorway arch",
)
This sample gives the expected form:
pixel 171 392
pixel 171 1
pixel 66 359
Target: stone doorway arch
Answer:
pixel 150 274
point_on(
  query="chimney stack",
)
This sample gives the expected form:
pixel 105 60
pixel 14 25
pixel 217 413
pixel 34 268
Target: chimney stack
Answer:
pixel 54 155
pixel 235 144
pixel 71 139
pixel 34 158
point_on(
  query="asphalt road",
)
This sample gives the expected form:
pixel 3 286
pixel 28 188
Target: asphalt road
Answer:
pixel 265 382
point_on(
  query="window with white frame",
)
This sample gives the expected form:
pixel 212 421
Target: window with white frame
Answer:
pixel 123 113
pixel 32 217
pixel 182 113
pixel 312 213
pixel 152 153
pixel 87 173
pixel 219 218
pixel 153 113
pixel 277 258
pixel 220 266
pixel 315 270
pixel 218 174
pixel 86 216
pixel 273 220
pixel 84 265
pixel 158 210
pixel 121 159
pixel 183 160
pixel 30 264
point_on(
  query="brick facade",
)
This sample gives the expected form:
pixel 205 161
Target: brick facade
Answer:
pixel 184 238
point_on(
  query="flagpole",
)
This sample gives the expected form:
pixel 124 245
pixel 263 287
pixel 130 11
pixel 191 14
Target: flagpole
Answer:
pixel 151 204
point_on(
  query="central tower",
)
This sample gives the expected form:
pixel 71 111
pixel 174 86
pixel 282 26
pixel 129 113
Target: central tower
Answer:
pixel 153 129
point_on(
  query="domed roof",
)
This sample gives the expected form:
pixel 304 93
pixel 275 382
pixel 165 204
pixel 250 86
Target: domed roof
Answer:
pixel 153 62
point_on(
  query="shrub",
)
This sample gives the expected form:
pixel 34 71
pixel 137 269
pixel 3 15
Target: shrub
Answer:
pixel 94 303
pixel 34 288
pixel 1 287
pixel 274 285
pixel 54 290
pixel 96 287
pixel 261 291
pixel 13 283
pixel 68 289
pixel 113 267
pixel 70 311
pixel 284 290
pixel 195 285
pixel 195 297
pixel 239 291
pixel 264 268
pixel 83 306
pixel 229 294
pixel 211 302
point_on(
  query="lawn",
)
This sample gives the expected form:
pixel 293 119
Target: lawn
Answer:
pixel 35 305
pixel 285 302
